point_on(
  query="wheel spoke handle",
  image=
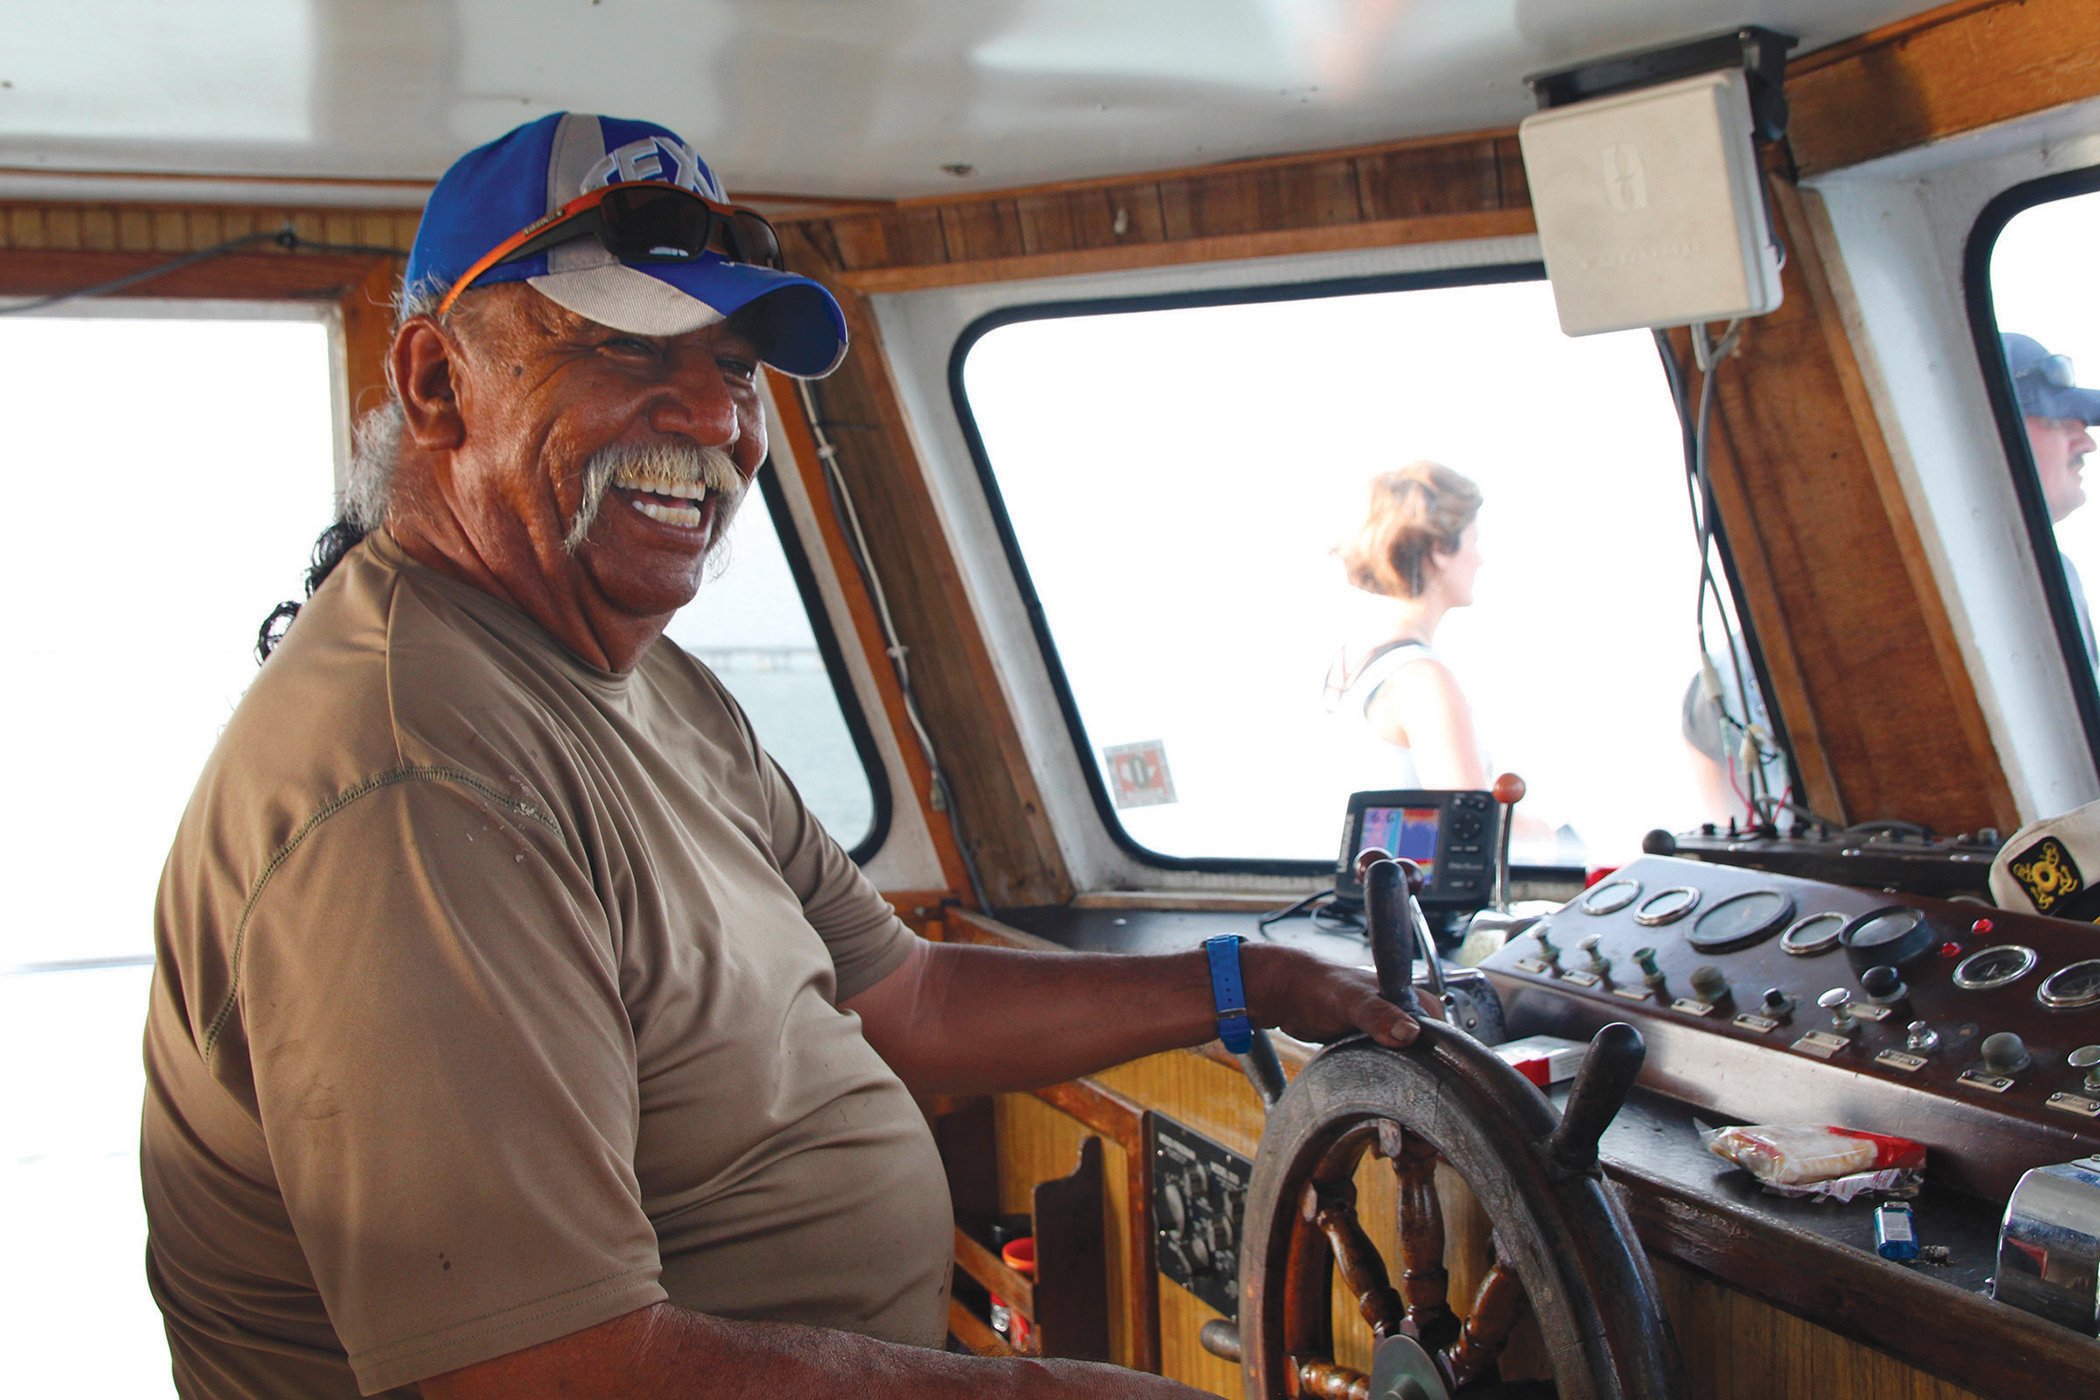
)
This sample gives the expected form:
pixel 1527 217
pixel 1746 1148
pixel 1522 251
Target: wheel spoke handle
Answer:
pixel 1608 1070
pixel 1324 1380
pixel 1263 1070
pixel 1388 886
pixel 1333 1210
pixel 1494 1316
pixel 1423 1283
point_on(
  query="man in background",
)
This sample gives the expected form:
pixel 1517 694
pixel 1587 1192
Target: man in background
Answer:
pixel 2057 414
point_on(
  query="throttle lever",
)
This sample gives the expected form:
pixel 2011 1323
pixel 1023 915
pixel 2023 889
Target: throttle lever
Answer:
pixel 1263 1070
pixel 1389 890
pixel 1609 1068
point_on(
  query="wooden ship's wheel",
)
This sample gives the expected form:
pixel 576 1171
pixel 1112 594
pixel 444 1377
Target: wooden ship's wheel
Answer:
pixel 1564 1250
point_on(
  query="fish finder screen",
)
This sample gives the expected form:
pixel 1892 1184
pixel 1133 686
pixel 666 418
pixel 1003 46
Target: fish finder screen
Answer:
pixel 1405 831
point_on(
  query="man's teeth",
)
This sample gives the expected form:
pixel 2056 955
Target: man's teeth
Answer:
pixel 688 516
pixel 661 486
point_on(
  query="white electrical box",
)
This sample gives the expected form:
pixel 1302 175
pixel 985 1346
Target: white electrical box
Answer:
pixel 1650 207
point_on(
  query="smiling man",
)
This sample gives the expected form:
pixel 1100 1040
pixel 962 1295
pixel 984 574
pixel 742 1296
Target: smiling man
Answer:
pixel 515 1029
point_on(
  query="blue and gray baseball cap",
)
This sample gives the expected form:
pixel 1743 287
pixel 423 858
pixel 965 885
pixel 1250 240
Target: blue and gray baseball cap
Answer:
pixel 496 190
pixel 2044 383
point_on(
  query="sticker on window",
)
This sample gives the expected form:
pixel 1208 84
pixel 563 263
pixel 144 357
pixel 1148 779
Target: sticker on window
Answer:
pixel 1138 773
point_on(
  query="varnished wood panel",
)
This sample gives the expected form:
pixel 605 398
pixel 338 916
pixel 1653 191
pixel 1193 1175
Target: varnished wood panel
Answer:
pixel 48 225
pixel 998 809
pixel 1738 1348
pixel 1866 671
pixel 1037 1143
pixel 1960 68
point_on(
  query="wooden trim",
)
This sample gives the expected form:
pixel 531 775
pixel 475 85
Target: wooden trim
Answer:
pixel 975 1333
pixel 1124 1121
pixel 957 681
pixel 867 631
pixel 1865 668
pixel 244 276
pixel 992 1271
pixel 1963 711
pixel 1454 228
pixel 1952 70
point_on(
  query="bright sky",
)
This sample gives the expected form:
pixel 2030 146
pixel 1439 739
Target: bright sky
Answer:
pixel 1179 536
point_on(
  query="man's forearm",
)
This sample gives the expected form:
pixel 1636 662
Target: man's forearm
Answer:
pixel 667 1353
pixel 965 1018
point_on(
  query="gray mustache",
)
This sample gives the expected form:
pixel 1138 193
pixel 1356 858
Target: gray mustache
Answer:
pixel 709 467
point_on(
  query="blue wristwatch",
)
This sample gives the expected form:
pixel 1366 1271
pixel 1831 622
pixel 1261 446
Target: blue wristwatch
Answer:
pixel 1229 990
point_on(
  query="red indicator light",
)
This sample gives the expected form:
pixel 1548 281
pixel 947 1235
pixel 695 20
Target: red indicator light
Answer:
pixel 1982 928
pixel 1950 950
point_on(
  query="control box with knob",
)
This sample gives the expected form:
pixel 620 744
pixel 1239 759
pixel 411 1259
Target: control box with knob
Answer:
pixel 1199 1192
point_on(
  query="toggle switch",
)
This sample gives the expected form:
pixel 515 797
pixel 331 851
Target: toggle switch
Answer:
pixel 2087 1058
pixel 1777 1005
pixel 2005 1053
pixel 1838 1002
pixel 1922 1040
pixel 1644 958
pixel 1709 984
pixel 1598 961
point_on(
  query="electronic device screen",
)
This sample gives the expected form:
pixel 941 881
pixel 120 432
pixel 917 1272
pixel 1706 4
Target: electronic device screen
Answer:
pixel 1404 831
pixel 1451 835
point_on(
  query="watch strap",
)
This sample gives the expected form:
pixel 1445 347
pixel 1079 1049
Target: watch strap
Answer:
pixel 1228 990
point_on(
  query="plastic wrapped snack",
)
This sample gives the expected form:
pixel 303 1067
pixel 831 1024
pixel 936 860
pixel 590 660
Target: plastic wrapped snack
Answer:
pixel 1794 1154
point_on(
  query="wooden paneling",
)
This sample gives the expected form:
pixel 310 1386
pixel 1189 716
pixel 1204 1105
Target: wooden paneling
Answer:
pixel 1959 68
pixel 953 672
pixel 1416 191
pixel 1865 667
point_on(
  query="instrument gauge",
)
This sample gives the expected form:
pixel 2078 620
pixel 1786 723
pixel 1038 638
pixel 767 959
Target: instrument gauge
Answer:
pixel 1813 933
pixel 1666 906
pixel 1609 897
pixel 1741 920
pixel 1886 937
pixel 1993 967
pixel 2073 986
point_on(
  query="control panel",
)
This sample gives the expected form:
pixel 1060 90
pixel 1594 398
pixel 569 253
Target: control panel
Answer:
pixel 1199 1193
pixel 1768 998
pixel 1885 855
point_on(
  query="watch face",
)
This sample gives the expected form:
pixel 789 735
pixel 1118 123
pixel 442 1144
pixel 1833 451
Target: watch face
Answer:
pixel 1610 897
pixel 1667 906
pixel 1740 921
pixel 2076 985
pixel 1815 933
pixel 1993 967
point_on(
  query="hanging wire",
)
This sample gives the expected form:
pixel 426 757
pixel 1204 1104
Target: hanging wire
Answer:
pixel 1748 746
pixel 285 238
pixel 939 795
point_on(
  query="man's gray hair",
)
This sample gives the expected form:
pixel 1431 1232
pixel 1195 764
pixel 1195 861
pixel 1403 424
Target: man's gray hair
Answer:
pixel 375 449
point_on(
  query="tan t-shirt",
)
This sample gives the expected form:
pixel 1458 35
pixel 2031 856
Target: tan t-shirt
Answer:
pixel 497 997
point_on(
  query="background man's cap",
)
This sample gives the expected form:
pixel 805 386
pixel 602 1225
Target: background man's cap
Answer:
pixel 493 191
pixel 2051 867
pixel 2025 359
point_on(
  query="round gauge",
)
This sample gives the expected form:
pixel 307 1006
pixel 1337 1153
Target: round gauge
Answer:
pixel 1886 937
pixel 1993 967
pixel 1666 906
pixel 2076 985
pixel 1741 920
pixel 1609 897
pixel 1813 933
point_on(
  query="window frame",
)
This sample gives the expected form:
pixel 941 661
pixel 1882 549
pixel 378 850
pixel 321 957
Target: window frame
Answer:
pixel 1476 274
pixel 1982 309
pixel 834 659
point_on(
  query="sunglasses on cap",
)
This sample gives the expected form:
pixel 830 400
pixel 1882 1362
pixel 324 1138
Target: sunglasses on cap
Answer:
pixel 639 221
pixel 2054 371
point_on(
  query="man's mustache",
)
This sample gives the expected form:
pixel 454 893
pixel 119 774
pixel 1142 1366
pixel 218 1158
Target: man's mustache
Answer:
pixel 646 465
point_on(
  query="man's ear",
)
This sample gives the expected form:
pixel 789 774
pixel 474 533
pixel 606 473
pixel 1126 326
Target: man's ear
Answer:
pixel 421 362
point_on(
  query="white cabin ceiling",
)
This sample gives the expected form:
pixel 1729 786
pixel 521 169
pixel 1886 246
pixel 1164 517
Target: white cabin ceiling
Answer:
pixel 834 99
